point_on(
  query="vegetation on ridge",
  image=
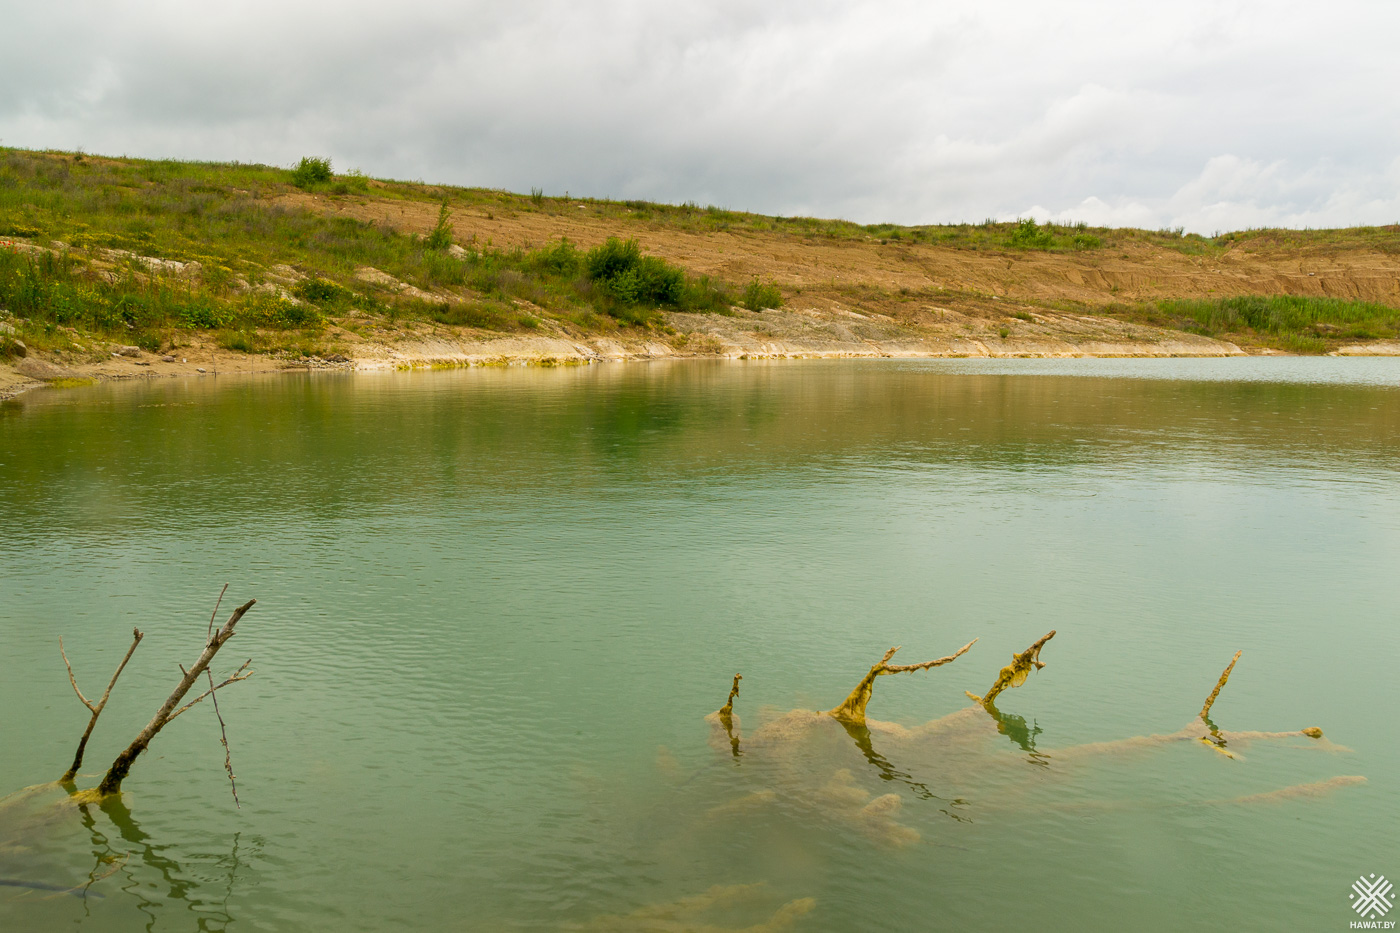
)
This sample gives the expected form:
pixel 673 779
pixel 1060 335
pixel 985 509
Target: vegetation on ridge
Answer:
pixel 266 259
pixel 149 250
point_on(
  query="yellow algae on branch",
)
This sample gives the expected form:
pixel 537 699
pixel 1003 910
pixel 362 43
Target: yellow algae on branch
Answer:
pixel 725 715
pixel 1219 685
pixel 852 710
pixel 1015 673
pixel 727 710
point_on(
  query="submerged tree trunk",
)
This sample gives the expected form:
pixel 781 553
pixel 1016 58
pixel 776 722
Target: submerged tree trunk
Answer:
pixel 96 708
pixel 171 708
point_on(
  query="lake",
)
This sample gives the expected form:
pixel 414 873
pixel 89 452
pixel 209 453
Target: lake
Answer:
pixel 496 605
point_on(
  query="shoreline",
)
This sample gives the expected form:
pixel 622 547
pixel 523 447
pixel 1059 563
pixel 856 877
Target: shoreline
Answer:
pixel 460 351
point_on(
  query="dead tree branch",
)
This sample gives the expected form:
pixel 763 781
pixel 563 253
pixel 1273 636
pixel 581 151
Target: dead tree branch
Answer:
pixel 727 710
pixel 852 710
pixel 1219 685
pixel 171 708
pixel 223 733
pixel 241 674
pixel 95 708
pixel 1015 673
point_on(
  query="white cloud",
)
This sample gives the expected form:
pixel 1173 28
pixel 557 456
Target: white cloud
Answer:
pixel 1204 115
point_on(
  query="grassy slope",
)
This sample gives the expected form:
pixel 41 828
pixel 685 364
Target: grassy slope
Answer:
pixel 246 224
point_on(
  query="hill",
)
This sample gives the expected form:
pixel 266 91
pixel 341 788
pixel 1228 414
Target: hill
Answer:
pixel 177 265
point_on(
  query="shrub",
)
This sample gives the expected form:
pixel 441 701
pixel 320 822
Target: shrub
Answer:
pixel 561 259
pixel 759 295
pixel 623 274
pixel 311 171
pixel 200 315
pixel 1026 235
pixel 269 309
pixel 321 290
pixel 705 295
pixel 441 237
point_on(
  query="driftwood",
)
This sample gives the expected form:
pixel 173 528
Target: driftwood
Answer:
pixel 95 708
pixel 171 708
pixel 852 709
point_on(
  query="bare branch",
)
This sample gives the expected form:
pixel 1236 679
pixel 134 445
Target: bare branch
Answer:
pixel 852 709
pixel 728 708
pixel 112 783
pixel 234 678
pixel 1219 685
pixel 71 679
pixel 1015 673
pixel 217 603
pixel 72 772
pixel 223 734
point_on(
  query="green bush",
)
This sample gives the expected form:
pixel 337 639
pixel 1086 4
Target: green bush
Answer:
pixel 622 273
pixel 561 259
pixel 707 296
pixel 1026 235
pixel 311 171
pixel 322 290
pixel 269 309
pixel 441 237
pixel 205 316
pixel 759 295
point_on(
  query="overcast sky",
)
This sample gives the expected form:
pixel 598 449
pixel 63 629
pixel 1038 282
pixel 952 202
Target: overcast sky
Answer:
pixel 1211 115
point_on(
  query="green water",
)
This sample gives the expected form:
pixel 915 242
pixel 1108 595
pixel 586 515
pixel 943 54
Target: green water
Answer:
pixel 495 606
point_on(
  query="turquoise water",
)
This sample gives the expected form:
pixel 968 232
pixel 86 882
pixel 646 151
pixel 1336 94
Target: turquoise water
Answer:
pixel 495 606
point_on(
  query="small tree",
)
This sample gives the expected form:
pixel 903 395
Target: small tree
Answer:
pixel 311 171
pixel 441 237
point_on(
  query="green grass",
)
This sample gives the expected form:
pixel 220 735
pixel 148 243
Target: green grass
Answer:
pixel 237 223
pixel 1297 323
pixel 226 218
pixel 759 295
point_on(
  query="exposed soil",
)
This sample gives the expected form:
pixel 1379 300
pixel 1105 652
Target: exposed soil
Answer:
pixel 844 298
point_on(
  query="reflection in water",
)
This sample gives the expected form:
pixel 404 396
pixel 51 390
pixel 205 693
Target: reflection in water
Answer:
pixel 888 772
pixel 177 885
pixel 1018 731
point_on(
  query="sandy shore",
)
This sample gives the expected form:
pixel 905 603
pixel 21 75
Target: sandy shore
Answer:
pixel 790 333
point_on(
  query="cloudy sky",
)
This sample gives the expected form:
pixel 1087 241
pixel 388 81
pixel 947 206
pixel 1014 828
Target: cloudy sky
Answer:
pixel 1211 115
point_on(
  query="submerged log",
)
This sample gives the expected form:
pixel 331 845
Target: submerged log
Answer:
pixel 112 783
pixel 852 710
pixel 95 708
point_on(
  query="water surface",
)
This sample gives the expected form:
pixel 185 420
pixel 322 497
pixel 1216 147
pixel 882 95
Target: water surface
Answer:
pixel 495 605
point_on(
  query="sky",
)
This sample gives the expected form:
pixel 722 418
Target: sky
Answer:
pixel 1210 116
